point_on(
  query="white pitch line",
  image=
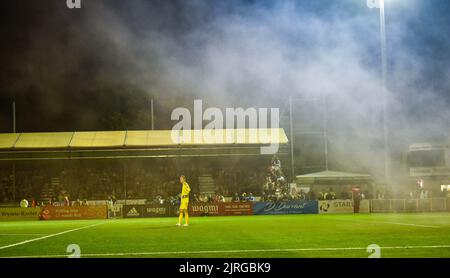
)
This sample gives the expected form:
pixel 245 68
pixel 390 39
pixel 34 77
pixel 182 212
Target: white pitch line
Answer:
pixel 48 236
pixel 234 251
pixel 404 224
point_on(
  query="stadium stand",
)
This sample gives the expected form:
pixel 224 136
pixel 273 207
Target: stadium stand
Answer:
pixel 85 165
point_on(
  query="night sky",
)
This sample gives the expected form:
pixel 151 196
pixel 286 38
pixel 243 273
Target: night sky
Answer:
pixel 96 68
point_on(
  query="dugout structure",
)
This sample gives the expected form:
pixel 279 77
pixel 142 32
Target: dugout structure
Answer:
pixel 336 180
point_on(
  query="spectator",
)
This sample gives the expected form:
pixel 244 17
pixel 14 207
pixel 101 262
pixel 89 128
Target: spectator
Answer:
pixel 221 198
pixel 264 196
pixel 250 197
pixel 322 195
pixel 330 195
pixel 356 199
pixel 196 200
pixel 236 197
pixel 66 201
pixel 302 195
pixel 276 165
pixel 113 199
pixel 243 197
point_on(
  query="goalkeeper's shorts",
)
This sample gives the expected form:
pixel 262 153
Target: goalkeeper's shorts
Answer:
pixel 184 203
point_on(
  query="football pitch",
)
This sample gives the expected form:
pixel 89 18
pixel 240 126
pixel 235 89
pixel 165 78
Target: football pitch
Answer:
pixel 423 235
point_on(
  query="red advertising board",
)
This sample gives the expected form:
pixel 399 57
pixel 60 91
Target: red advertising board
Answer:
pixel 221 209
pixel 245 208
pixel 81 212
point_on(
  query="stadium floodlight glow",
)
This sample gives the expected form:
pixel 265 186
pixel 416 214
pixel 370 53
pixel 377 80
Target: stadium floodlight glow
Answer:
pixel 379 4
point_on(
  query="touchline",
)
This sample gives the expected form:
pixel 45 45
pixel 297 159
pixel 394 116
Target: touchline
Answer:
pixel 220 128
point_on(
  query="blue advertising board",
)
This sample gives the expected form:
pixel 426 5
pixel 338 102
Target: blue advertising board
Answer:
pixel 289 207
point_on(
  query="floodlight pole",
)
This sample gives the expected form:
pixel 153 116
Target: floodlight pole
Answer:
pixel 124 165
pixel 14 116
pixel 291 131
pixel 14 181
pixel 387 165
pixel 379 4
pixel 325 132
pixel 14 163
pixel 152 113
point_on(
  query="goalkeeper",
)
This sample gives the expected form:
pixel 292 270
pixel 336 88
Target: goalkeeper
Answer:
pixel 184 201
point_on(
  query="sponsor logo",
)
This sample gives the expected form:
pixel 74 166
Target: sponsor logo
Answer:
pixel 336 206
pixel 324 207
pixel 157 210
pixel 205 208
pixel 133 212
pixel 19 213
pixel 284 206
pixel 343 204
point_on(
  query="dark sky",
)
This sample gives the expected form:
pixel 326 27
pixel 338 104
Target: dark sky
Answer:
pixel 95 68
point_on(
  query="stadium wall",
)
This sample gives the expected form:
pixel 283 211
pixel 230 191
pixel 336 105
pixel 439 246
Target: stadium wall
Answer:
pixel 195 209
pixel 142 211
pixel 138 210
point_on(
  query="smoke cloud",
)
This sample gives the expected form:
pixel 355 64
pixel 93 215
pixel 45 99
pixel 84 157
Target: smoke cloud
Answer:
pixel 254 54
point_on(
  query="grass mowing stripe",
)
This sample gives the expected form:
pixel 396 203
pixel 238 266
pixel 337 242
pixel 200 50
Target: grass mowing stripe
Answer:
pixel 23 234
pixel 389 222
pixel 48 236
pixel 235 251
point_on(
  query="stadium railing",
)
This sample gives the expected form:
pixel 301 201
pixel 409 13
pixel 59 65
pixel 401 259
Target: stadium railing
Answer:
pixel 410 205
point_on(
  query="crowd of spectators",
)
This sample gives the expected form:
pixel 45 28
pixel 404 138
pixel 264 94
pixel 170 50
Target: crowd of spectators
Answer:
pixel 157 183
pixel 26 184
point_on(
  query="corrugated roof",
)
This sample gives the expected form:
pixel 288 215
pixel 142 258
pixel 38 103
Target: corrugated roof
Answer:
pixel 141 138
pixel 7 140
pixel 98 139
pixel 44 140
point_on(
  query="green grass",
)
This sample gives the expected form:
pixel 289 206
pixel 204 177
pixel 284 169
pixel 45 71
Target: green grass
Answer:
pixel 399 235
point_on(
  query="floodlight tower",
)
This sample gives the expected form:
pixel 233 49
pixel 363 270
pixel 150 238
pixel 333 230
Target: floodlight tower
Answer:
pixel 379 4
